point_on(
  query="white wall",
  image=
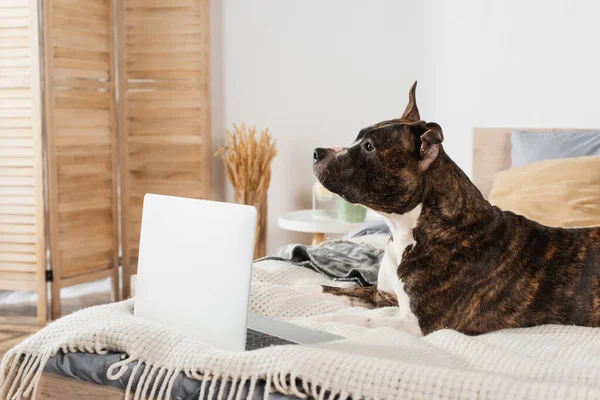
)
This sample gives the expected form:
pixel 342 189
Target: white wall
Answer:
pixel 514 63
pixel 314 72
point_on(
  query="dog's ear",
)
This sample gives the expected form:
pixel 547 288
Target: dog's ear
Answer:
pixel 412 112
pixel 430 144
pixel 431 136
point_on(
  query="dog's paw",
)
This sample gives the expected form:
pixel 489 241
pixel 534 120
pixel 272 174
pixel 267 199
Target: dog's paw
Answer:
pixel 332 290
pixel 349 296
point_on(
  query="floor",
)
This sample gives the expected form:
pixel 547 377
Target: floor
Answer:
pixel 17 321
pixel 12 334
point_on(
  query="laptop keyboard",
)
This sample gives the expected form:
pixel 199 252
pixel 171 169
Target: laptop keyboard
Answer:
pixel 258 340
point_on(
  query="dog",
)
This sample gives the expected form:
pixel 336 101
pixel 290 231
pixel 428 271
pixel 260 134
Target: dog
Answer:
pixel 454 260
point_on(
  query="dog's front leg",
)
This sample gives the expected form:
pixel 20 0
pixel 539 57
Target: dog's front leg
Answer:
pixel 368 296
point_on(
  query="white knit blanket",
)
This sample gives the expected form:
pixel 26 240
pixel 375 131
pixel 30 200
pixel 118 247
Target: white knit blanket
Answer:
pixel 377 362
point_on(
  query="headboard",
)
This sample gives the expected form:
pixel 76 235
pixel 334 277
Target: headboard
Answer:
pixel 491 153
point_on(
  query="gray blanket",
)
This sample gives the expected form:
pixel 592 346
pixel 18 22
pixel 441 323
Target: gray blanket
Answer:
pixel 93 367
pixel 338 260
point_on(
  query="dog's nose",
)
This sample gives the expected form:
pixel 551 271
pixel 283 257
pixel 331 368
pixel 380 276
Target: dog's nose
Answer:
pixel 318 154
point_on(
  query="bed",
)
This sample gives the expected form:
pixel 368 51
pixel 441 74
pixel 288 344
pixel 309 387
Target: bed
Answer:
pixel 491 154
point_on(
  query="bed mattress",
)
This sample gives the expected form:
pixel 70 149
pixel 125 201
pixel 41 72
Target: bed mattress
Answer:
pixel 93 367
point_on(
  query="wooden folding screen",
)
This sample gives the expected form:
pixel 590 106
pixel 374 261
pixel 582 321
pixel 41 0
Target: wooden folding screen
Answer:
pixel 22 244
pixel 164 114
pixel 163 126
pixel 81 142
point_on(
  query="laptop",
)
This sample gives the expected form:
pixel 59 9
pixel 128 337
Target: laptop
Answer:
pixel 194 272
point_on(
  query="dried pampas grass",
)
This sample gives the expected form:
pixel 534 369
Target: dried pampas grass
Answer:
pixel 247 161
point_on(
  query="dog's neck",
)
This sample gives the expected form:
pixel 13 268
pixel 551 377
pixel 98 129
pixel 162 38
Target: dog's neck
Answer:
pixel 451 195
pixel 401 225
pixel 450 202
pixel 453 207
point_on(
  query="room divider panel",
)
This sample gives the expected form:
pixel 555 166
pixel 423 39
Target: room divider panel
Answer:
pixel 22 243
pixel 164 108
pixel 81 143
pixel 156 140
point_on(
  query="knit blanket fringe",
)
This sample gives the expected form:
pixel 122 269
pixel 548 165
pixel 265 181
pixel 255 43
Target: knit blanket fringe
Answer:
pixel 377 360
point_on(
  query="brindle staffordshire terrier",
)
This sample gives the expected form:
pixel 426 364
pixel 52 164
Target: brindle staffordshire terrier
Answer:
pixel 455 261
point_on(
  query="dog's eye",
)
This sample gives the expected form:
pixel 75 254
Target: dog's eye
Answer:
pixel 369 146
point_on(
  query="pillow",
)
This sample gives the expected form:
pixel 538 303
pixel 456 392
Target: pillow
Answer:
pixel 562 193
pixel 529 147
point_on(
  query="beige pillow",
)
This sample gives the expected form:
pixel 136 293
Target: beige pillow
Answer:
pixel 563 193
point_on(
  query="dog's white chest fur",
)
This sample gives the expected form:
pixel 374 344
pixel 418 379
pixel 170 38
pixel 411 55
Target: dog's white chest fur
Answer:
pixel 401 227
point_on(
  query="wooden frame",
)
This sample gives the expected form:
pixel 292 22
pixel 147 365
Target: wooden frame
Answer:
pixel 164 109
pixel 491 153
pixel 81 133
pixel 22 220
pixel 58 387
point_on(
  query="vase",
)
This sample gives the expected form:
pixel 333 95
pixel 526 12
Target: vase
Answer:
pixel 259 201
pixel 350 212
